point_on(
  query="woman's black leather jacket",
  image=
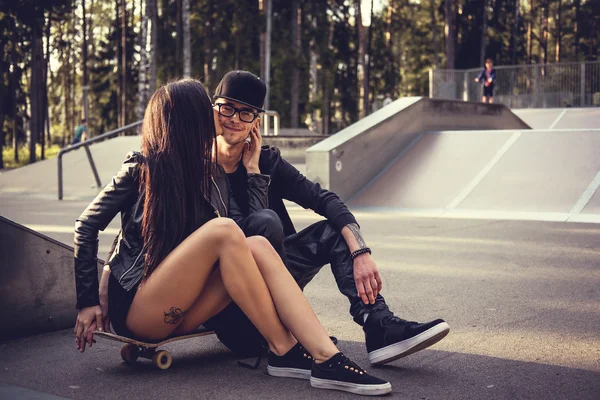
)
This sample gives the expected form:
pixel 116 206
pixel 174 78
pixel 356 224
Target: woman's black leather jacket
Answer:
pixel 127 258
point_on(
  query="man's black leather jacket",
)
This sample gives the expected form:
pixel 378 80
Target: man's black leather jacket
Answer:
pixel 126 259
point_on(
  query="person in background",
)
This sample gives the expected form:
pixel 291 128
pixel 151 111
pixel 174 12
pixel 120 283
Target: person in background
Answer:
pixel 487 78
pixel 388 100
pixel 80 134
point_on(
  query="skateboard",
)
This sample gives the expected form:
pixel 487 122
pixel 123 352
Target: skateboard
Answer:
pixel 132 349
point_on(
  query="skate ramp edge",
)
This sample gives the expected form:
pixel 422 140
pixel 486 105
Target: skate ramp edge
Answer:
pixel 37 283
pixel 347 161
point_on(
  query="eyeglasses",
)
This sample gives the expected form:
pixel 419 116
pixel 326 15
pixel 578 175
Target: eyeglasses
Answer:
pixel 228 111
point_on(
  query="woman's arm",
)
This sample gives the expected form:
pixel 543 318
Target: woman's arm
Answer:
pixel 95 218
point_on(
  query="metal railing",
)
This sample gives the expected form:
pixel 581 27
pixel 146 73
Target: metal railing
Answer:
pixel 85 145
pixel 113 133
pixel 265 124
pixel 525 86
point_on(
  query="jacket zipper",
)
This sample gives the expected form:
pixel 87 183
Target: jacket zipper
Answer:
pixel 132 265
pixel 220 196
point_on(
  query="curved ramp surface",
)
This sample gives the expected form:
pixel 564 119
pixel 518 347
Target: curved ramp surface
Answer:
pixel 560 118
pixel 542 175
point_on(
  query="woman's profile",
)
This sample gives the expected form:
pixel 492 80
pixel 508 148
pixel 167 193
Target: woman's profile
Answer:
pixel 178 260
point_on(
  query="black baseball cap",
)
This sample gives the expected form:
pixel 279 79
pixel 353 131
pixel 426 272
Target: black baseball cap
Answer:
pixel 243 87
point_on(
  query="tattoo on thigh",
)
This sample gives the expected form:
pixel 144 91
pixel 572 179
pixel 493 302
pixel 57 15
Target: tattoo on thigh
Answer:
pixel 174 315
pixel 354 229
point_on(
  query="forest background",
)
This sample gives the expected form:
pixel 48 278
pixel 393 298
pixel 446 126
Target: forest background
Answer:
pixel 62 60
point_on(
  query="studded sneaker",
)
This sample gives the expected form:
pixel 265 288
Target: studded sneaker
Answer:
pixel 390 338
pixel 296 363
pixel 340 373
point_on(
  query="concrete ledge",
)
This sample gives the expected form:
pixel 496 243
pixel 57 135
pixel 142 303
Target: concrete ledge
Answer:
pixel 37 282
pixel 348 160
pixel 293 148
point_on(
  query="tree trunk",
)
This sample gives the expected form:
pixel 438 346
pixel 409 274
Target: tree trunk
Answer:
pixel 484 17
pixel 46 72
pixel 296 49
pixel 153 17
pixel 84 68
pixel 36 81
pixel 576 28
pixel 187 41
pixel 118 28
pixel 558 30
pixel 530 31
pixel 143 63
pixel 2 134
pixel 545 17
pixel 434 32
pixel 178 38
pixel 124 62
pixel 449 34
pixel 367 63
pixel 515 35
pixel 362 111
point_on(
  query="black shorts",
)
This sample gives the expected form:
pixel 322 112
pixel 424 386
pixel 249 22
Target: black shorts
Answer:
pixel 119 302
pixel 488 91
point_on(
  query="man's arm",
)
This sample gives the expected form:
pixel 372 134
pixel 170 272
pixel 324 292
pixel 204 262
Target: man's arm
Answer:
pixel 299 189
pixel 366 275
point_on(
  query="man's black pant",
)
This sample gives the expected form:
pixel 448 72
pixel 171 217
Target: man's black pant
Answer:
pixel 304 254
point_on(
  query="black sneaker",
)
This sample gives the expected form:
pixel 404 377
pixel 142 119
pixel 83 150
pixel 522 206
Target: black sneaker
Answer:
pixel 296 363
pixel 340 373
pixel 389 338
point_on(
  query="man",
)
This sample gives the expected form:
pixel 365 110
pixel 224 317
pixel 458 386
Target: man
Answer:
pixel 80 134
pixel 487 77
pixel 337 241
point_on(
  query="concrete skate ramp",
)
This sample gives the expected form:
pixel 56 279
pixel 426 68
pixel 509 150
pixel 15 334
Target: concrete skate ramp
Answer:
pixel 560 118
pixel 547 174
pixel 41 178
pixel 37 283
pixel 347 161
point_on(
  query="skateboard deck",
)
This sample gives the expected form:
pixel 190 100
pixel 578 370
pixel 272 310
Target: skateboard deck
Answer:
pixel 132 348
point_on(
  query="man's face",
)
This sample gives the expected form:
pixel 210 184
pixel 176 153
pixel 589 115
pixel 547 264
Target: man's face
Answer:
pixel 489 64
pixel 235 130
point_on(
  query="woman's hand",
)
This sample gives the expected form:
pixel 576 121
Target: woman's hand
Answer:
pixel 251 154
pixel 87 320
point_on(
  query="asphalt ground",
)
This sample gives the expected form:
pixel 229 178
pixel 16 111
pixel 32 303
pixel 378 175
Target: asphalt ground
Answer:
pixel 522 299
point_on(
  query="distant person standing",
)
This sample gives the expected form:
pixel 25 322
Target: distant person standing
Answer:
pixel 388 100
pixel 80 134
pixel 487 77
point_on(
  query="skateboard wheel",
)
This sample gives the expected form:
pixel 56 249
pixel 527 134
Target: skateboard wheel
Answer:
pixel 162 359
pixel 129 353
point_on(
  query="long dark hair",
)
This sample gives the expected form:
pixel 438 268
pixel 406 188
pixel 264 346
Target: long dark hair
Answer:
pixel 178 135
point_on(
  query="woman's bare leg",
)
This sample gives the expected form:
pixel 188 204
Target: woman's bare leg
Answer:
pixel 293 308
pixel 161 303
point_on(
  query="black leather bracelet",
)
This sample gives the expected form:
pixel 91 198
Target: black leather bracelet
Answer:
pixel 358 252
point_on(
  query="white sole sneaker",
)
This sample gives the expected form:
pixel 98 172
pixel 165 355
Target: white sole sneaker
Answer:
pixel 288 372
pixel 409 346
pixel 365 390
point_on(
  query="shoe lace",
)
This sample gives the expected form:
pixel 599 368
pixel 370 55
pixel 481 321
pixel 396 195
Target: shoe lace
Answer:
pixel 349 365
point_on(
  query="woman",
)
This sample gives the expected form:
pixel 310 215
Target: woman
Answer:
pixel 176 264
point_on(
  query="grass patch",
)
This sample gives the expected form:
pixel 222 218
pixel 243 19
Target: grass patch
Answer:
pixel 8 155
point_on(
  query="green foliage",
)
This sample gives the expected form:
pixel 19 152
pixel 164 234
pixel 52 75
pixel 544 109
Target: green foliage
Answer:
pixel 8 155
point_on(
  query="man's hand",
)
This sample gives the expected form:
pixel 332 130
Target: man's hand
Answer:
pixel 367 279
pixel 251 154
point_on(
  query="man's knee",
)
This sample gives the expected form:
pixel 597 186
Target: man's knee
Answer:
pixel 264 223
